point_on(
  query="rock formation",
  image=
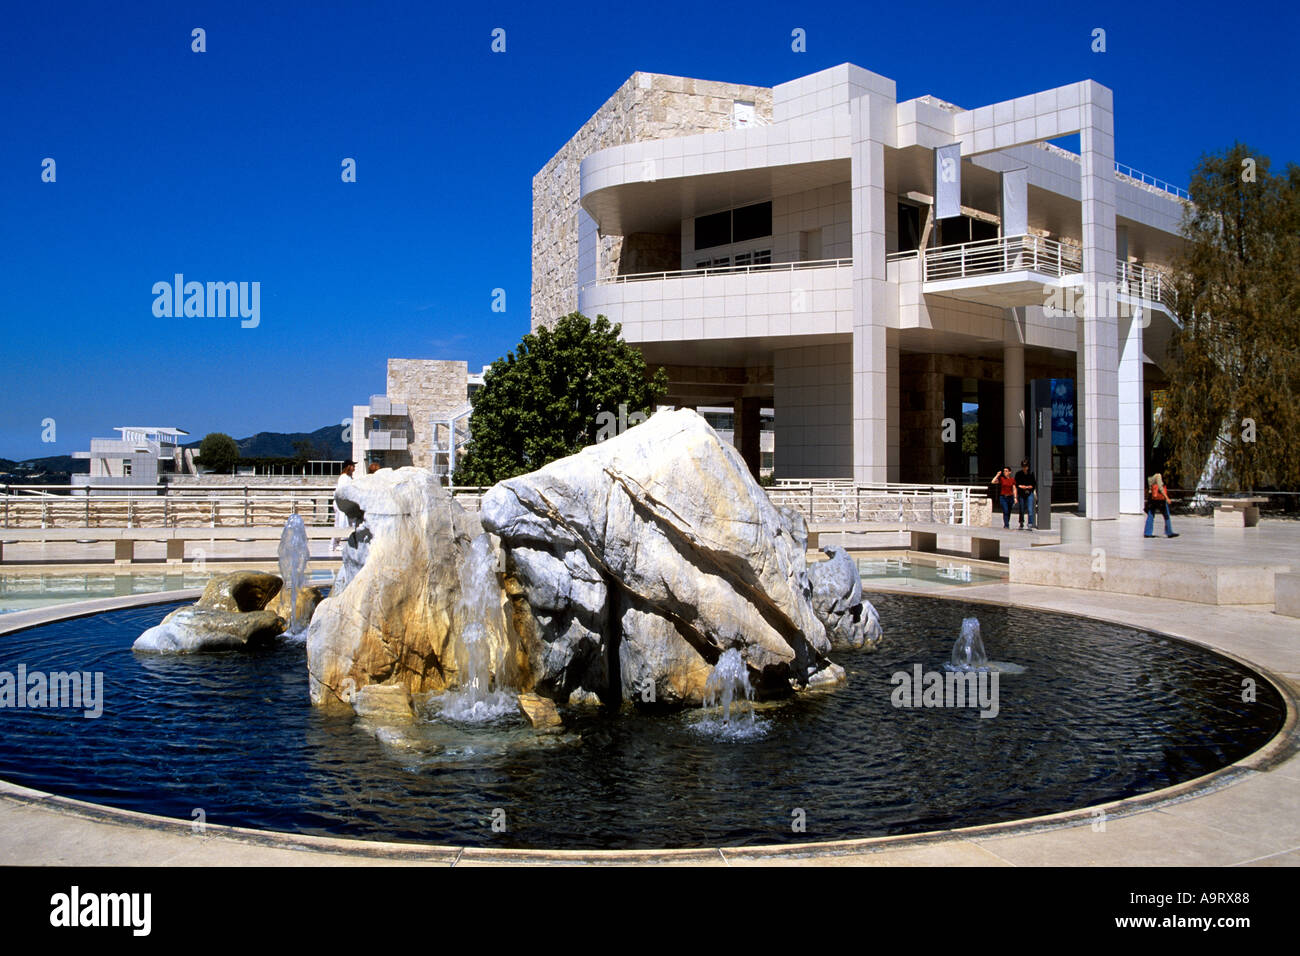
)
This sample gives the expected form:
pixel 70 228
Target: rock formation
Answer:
pixel 620 573
pixel 196 629
pixel 397 610
pixel 240 610
pixel 309 599
pixel 240 591
pixel 635 563
pixel 851 622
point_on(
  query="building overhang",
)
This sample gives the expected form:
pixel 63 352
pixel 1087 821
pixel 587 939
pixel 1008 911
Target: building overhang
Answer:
pixel 660 205
pixel 1003 290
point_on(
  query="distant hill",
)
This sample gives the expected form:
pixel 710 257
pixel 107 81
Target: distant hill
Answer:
pixel 327 442
pixel 64 463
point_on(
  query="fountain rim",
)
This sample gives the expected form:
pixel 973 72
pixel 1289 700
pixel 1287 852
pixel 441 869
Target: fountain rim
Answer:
pixel 1276 750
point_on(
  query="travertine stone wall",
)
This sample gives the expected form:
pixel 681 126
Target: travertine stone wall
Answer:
pixel 650 252
pixel 648 106
pixel 428 387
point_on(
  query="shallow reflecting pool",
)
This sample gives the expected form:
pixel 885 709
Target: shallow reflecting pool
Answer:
pixel 1098 712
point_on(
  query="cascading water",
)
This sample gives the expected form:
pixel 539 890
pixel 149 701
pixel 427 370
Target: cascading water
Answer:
pixel 294 555
pixel 968 653
pixel 728 688
pixel 475 701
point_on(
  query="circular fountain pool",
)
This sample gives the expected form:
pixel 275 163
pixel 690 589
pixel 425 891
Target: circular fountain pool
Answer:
pixel 1100 712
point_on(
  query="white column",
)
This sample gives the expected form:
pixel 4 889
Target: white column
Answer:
pixel 1013 385
pixel 870 299
pixel 1097 358
pixel 892 401
pixel 1132 412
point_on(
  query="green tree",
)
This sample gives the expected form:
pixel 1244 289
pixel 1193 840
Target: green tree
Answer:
pixel 543 401
pixel 1234 390
pixel 970 438
pixel 218 452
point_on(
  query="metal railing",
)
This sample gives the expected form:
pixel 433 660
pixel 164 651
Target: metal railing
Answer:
pixel 721 270
pixel 212 506
pixel 831 500
pixel 450 433
pixel 1006 254
pixel 1147 180
pixel 1145 283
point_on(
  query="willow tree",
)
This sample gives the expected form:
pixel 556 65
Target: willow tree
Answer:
pixel 1234 391
pixel 549 397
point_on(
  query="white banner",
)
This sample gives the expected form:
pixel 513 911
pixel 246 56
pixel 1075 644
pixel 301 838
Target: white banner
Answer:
pixel 947 181
pixel 1015 202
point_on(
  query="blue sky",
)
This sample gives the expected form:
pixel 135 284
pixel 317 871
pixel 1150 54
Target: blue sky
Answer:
pixel 225 166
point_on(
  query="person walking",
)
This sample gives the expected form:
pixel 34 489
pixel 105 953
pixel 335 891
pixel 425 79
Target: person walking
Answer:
pixel 341 521
pixel 1006 494
pixel 1158 501
pixel 1026 488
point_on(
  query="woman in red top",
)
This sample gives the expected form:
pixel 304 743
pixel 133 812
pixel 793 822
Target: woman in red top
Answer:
pixel 1006 494
pixel 1158 503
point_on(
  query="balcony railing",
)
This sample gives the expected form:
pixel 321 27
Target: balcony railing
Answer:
pixel 1007 254
pixel 1147 180
pixel 722 270
pixel 1144 283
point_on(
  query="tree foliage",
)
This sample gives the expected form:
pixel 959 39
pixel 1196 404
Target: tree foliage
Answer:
pixel 218 452
pixel 1234 390
pixel 543 400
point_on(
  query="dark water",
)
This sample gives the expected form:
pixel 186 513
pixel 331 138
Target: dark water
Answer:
pixel 1101 712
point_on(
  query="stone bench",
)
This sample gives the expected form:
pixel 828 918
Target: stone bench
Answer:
pixel 1236 512
pixel 985 543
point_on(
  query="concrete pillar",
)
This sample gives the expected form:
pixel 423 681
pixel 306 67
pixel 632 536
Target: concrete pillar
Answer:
pixel 1097 357
pixel 1013 384
pixel 1132 412
pixel 869 113
pixel 892 403
pixel 745 433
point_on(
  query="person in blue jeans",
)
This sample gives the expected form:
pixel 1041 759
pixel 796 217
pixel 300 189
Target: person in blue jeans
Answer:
pixel 1006 494
pixel 1026 486
pixel 1158 501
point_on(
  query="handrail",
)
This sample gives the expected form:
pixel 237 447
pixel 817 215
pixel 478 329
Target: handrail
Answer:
pixel 1145 282
pixel 721 270
pixel 844 500
pixel 1148 180
pixel 1005 254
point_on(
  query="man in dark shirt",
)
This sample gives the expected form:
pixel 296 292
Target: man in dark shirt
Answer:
pixel 1026 489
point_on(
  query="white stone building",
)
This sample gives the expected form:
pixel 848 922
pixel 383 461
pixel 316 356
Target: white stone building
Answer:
pixel 421 419
pixel 141 455
pixel 879 273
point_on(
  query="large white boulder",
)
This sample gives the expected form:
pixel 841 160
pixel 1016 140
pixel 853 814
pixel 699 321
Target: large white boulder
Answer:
pixel 195 629
pixel 398 606
pixel 655 551
pixel 851 620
